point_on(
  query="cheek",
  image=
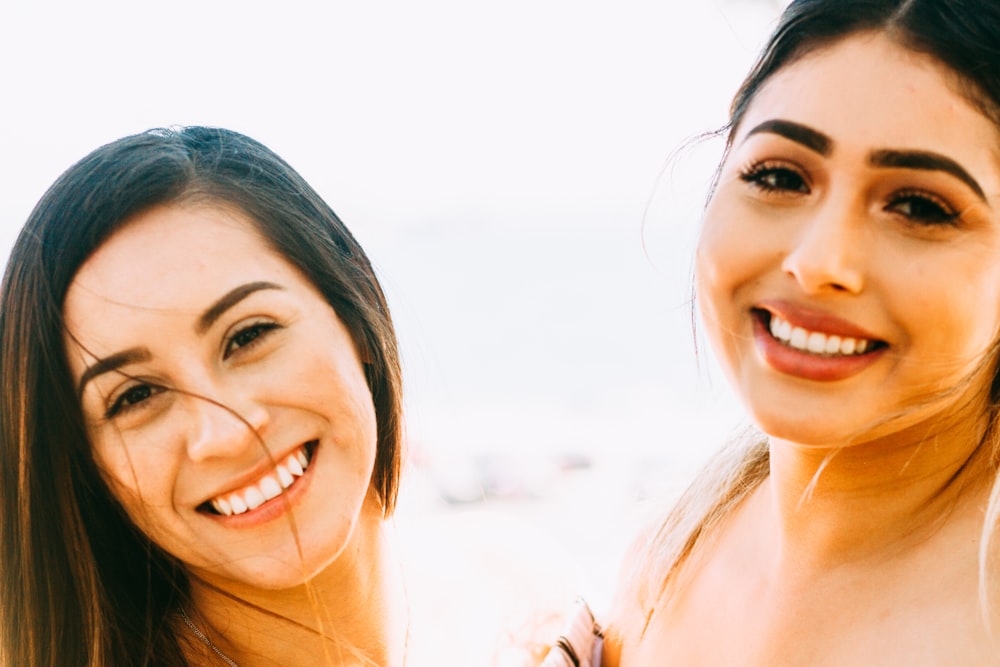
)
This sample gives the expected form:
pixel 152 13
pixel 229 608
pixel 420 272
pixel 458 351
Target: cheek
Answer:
pixel 951 302
pixel 127 478
pixel 959 329
pixel 722 261
pixel 148 504
pixel 361 437
pixel 117 468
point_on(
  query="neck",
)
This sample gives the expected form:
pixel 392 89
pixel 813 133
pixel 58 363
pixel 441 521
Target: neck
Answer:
pixel 873 499
pixel 354 612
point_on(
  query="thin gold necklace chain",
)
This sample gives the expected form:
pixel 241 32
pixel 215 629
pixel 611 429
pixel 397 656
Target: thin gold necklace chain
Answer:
pixel 232 663
pixel 204 638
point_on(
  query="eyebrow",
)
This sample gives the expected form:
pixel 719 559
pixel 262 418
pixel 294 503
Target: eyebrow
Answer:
pixel 205 321
pixel 889 159
pixel 111 363
pixel 800 134
pixel 227 301
pixel 925 160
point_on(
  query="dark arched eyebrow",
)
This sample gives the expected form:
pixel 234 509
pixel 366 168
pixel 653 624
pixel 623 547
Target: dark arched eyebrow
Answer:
pixel 818 142
pixel 111 363
pixel 227 301
pixel 925 160
pixel 205 321
pixel 801 134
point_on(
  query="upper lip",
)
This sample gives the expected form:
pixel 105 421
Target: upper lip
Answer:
pixel 253 475
pixel 815 320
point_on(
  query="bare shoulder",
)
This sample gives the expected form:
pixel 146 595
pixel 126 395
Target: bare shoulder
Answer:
pixel 627 616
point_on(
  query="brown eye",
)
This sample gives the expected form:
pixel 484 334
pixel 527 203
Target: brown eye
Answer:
pixel 130 398
pixel 775 178
pixel 248 336
pixel 922 208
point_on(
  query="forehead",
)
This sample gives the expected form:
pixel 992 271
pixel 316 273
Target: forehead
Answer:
pixel 869 90
pixel 167 261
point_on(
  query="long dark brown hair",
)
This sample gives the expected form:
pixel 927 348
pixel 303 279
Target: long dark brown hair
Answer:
pixel 963 36
pixel 79 584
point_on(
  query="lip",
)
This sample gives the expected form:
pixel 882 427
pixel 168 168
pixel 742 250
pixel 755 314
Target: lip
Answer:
pixel 275 507
pixel 815 320
pixel 809 366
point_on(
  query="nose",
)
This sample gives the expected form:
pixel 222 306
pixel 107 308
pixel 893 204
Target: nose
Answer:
pixel 827 252
pixel 218 429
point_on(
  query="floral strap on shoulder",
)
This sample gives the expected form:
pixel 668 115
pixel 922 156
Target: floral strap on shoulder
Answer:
pixel 579 645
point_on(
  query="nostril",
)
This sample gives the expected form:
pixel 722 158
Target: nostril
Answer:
pixel 827 257
pixel 824 276
pixel 216 430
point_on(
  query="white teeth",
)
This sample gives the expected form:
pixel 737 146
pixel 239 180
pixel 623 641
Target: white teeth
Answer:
pixel 799 337
pixel 236 502
pixel 816 342
pixel 284 477
pixel 254 497
pixel 222 507
pixel 268 487
pixel 294 466
pixel 784 329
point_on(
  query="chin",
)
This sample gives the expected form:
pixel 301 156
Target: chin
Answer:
pixel 808 430
pixel 271 574
pixel 303 554
pixel 267 572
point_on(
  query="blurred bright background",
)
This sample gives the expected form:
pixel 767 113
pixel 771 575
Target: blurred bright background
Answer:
pixel 506 167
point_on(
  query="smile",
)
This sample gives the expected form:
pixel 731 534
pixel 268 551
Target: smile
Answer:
pixel 814 355
pixel 816 342
pixel 271 485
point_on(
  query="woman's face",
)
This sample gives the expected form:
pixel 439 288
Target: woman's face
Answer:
pixel 222 395
pixel 848 272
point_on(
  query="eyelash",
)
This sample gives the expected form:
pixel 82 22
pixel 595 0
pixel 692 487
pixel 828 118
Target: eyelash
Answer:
pixel 774 177
pixel 128 399
pixel 244 338
pixel 247 337
pixel 942 213
pixel 756 175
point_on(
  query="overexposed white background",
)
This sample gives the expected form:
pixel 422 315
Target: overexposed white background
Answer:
pixel 503 165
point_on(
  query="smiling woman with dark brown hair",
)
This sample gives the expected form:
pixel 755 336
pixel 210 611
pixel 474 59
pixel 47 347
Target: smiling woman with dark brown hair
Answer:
pixel 848 278
pixel 200 432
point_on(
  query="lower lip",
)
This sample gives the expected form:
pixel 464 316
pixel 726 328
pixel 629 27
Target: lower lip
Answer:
pixel 273 508
pixel 806 365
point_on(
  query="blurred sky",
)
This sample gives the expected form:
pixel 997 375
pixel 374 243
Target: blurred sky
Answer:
pixel 499 161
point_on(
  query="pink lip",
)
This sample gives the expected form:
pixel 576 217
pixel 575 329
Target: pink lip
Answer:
pixel 273 508
pixel 814 320
pixel 806 365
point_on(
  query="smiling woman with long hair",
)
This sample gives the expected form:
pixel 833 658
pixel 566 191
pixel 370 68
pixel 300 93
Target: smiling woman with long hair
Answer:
pixel 199 419
pixel 848 278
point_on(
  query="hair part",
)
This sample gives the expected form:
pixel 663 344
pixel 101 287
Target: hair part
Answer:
pixel 962 35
